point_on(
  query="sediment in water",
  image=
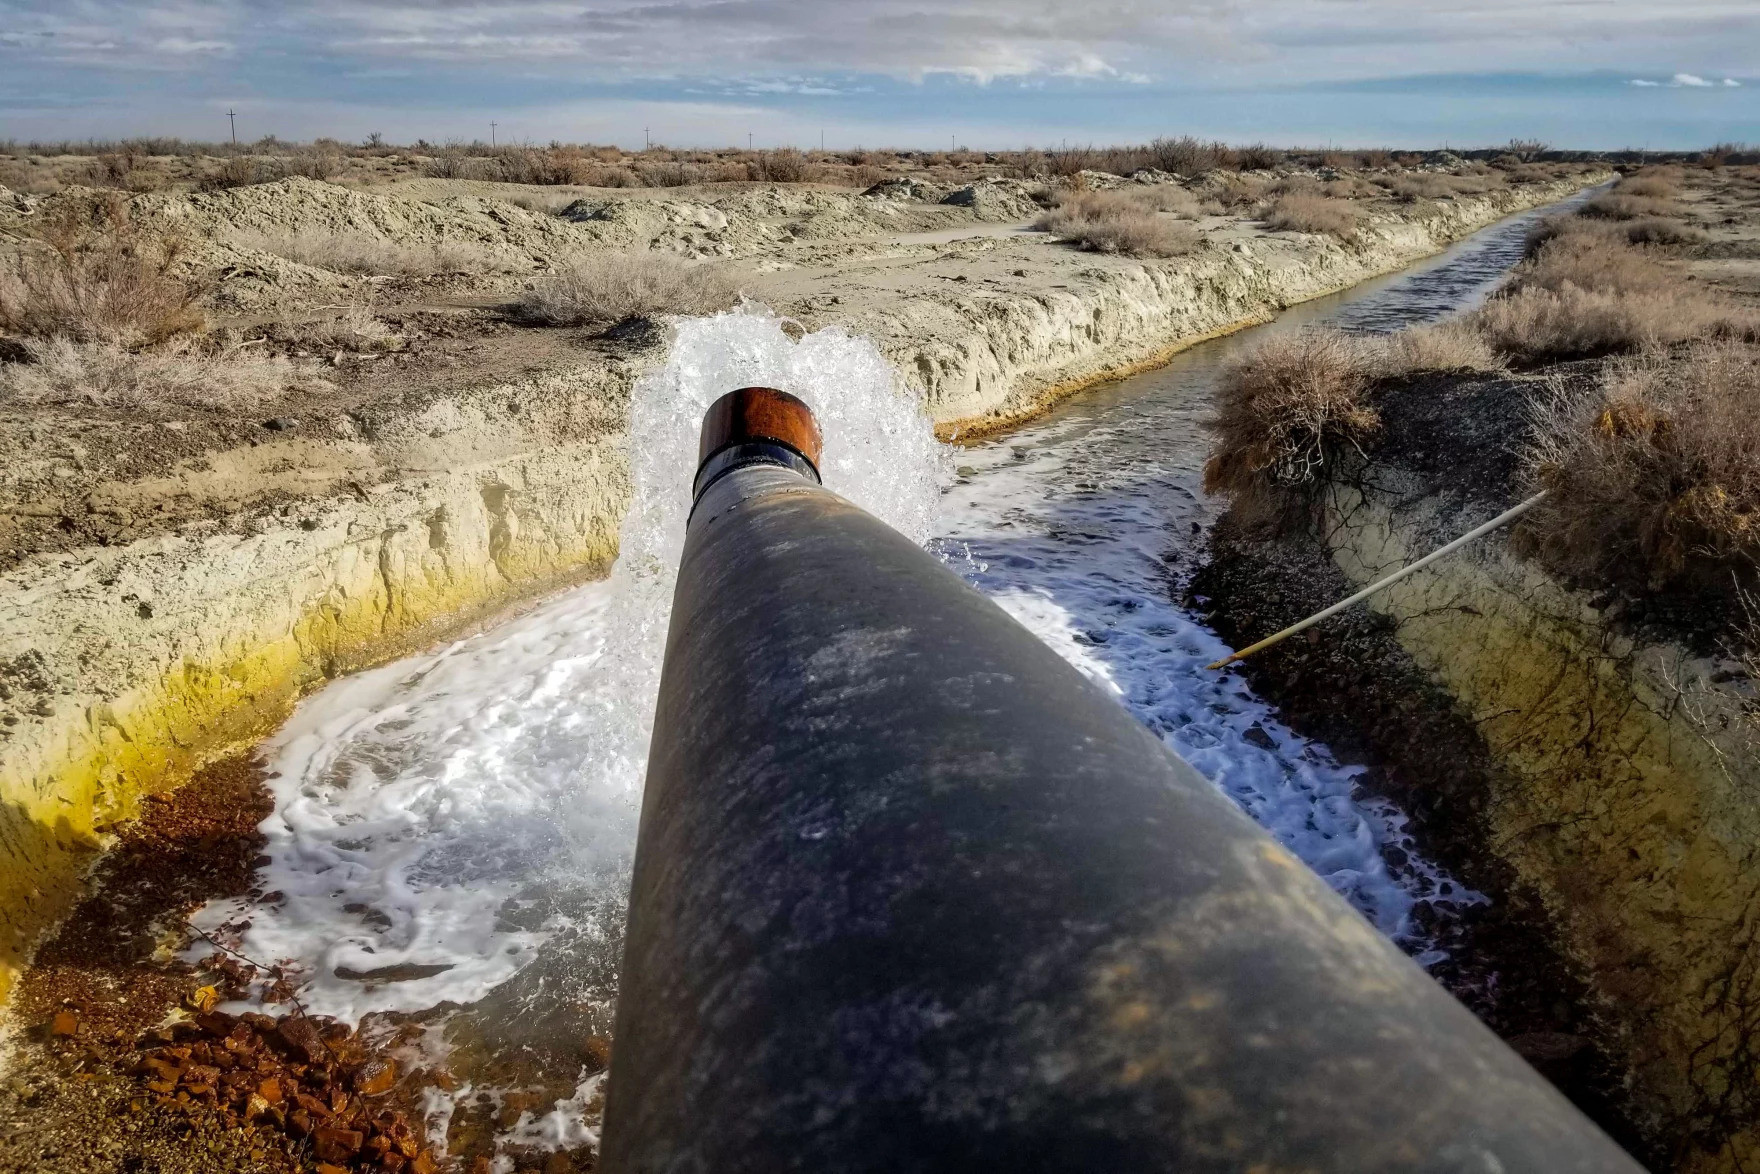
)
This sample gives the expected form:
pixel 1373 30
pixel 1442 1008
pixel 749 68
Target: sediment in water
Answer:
pixel 126 667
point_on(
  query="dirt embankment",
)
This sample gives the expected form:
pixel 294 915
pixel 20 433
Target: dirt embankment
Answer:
pixel 1586 754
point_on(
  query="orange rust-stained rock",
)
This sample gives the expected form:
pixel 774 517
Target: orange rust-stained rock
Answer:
pixel 64 1023
pixel 375 1077
pixel 336 1144
pixel 298 1034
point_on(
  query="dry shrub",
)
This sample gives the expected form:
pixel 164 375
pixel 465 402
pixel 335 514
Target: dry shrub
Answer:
pixel 1656 230
pixel 1535 323
pixel 1655 476
pixel 1430 185
pixel 615 287
pixel 28 178
pixel 362 253
pixel 1591 293
pixel 1286 409
pixel 1235 191
pixel 785 165
pixel 1452 346
pixel 1351 187
pixel 1588 257
pixel 455 164
pixel 245 171
pixel 1118 222
pixel 353 328
pixel 1313 214
pixel 62 371
pixel 97 279
pixel 601 175
pixel 1164 197
pixel 1649 184
pixel 1620 206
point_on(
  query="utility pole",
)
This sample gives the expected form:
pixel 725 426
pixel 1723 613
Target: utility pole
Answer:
pixel 647 141
pixel 233 119
pixel 492 125
pixel 748 140
pixel 821 140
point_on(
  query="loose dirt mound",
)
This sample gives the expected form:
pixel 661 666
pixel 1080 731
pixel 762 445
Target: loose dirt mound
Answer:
pixel 997 200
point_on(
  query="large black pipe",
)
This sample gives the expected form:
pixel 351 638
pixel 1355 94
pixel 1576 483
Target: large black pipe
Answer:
pixel 911 894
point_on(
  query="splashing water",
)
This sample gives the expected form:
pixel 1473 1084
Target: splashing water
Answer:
pixel 438 820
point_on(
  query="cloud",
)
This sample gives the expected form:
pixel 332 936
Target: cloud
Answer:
pixel 1686 81
pixel 1112 41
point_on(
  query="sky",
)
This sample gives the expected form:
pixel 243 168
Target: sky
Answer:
pixel 986 74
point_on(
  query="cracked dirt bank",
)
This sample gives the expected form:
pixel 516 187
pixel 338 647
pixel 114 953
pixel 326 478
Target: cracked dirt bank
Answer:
pixel 171 586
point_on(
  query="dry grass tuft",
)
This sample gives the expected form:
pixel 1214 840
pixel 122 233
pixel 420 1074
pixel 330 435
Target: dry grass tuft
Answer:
pixel 1287 409
pixel 1299 212
pixel 1124 221
pixel 1655 476
pixel 354 327
pixel 1452 346
pixel 97 278
pixel 62 371
pixel 616 287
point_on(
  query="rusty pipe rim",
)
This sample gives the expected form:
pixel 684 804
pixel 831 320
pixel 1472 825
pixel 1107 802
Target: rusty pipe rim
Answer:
pixel 751 415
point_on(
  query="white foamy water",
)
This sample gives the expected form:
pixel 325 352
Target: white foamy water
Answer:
pixel 439 819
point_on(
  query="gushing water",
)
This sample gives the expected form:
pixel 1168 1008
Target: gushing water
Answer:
pixel 439 819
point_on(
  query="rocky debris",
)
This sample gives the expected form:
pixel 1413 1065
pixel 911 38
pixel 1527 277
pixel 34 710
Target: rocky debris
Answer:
pixel 1154 175
pixel 310 1078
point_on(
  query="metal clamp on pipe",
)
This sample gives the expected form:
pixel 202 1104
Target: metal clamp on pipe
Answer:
pixel 912 894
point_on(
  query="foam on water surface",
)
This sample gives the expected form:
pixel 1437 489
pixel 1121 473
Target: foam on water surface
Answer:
pixel 439 819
